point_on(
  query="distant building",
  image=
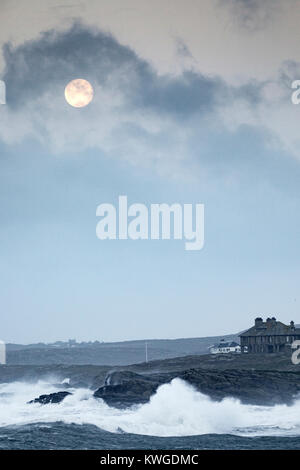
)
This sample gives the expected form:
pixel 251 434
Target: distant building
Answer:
pixel 225 347
pixel 2 353
pixel 269 336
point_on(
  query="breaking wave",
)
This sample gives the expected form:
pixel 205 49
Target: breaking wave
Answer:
pixel 176 409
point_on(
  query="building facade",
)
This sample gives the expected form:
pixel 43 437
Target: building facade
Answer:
pixel 269 336
pixel 225 347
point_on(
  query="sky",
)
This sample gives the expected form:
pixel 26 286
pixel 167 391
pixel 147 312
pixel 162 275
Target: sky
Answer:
pixel 192 104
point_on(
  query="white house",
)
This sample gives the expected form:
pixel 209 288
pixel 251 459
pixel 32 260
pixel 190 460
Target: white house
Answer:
pixel 225 347
pixel 2 353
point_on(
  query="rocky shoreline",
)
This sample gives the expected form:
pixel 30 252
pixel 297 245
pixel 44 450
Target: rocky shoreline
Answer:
pixel 272 380
pixel 251 387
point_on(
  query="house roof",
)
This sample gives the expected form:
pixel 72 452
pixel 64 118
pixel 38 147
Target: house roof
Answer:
pixel 223 344
pixel 271 328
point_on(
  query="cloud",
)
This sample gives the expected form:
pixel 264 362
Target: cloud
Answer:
pixel 253 14
pixel 137 115
pixel 56 58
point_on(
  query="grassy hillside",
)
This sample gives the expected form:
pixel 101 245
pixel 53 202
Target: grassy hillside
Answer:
pixel 119 353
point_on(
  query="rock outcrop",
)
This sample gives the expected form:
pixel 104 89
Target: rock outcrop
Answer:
pixel 56 397
pixel 126 388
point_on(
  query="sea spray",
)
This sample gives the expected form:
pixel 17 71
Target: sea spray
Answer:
pixel 176 409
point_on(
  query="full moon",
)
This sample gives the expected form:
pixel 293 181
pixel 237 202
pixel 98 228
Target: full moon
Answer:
pixel 79 93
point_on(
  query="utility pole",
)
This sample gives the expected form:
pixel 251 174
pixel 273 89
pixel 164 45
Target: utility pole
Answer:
pixel 146 351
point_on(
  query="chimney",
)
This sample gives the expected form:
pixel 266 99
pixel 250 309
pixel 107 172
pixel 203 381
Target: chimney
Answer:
pixel 271 322
pixel 258 322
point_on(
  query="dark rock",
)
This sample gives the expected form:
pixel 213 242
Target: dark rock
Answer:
pixel 51 398
pixel 127 388
pixel 251 387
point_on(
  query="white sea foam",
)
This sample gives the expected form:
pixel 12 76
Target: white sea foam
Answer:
pixel 177 409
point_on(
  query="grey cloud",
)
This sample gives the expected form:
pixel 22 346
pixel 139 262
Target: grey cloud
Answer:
pixel 55 58
pixel 182 49
pixel 59 57
pixel 252 14
pixel 137 115
pixel 290 71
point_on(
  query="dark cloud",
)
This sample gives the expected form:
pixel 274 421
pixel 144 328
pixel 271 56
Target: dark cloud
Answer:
pixel 167 122
pixel 252 14
pixel 182 49
pixel 55 58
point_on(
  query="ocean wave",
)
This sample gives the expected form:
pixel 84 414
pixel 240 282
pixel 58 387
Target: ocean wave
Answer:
pixel 176 409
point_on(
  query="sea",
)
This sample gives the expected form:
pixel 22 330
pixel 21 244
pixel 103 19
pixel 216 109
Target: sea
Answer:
pixel 176 417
